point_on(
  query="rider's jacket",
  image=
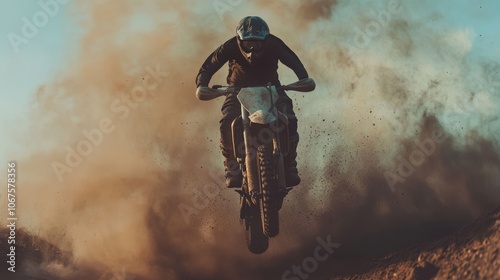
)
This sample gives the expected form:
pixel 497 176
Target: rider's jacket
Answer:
pixel 241 73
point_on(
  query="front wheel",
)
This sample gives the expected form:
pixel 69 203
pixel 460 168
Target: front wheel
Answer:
pixel 257 242
pixel 270 201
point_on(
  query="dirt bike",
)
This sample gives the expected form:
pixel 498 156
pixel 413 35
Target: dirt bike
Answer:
pixel 260 141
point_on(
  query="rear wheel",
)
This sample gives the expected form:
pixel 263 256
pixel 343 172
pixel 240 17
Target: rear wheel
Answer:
pixel 269 203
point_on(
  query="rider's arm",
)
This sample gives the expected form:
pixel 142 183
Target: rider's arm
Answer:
pixel 212 64
pixel 291 60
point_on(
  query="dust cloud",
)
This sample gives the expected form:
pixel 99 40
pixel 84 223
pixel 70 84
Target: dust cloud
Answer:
pixel 147 201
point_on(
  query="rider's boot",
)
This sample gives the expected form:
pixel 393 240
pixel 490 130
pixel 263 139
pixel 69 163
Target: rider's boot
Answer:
pixel 232 170
pixel 291 173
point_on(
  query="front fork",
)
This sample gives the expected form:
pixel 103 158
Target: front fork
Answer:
pixel 250 168
pixel 250 156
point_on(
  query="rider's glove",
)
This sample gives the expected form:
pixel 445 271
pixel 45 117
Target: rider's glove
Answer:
pixel 199 90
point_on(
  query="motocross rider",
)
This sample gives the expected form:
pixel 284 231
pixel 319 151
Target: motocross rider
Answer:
pixel 253 56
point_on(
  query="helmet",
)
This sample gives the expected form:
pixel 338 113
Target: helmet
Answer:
pixel 252 32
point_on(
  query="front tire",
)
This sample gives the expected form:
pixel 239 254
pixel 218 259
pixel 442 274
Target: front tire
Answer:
pixel 257 242
pixel 269 203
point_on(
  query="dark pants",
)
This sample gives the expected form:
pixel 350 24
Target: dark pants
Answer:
pixel 232 109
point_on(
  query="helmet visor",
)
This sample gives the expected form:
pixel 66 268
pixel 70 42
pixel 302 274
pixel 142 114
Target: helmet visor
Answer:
pixel 250 46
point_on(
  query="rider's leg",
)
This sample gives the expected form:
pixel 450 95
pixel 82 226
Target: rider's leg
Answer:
pixel 290 161
pixel 284 105
pixel 230 110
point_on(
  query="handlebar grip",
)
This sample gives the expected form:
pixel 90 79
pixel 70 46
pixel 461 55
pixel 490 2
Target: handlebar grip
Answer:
pixel 304 85
pixel 206 93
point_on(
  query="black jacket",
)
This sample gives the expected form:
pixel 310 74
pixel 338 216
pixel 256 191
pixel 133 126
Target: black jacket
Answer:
pixel 241 73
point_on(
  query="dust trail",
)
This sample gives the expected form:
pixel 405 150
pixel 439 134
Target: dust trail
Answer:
pixel 118 210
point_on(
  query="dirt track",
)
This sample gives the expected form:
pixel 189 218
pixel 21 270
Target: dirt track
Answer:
pixel 473 252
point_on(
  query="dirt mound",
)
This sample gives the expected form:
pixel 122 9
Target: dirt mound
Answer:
pixel 473 252
pixel 30 253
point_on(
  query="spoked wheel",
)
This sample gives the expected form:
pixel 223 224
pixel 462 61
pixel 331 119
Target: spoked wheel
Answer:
pixel 271 199
pixel 257 241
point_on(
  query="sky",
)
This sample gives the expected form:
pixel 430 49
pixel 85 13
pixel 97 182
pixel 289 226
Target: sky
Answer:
pixel 33 64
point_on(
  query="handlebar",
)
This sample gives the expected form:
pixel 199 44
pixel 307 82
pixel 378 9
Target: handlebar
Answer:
pixel 207 93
